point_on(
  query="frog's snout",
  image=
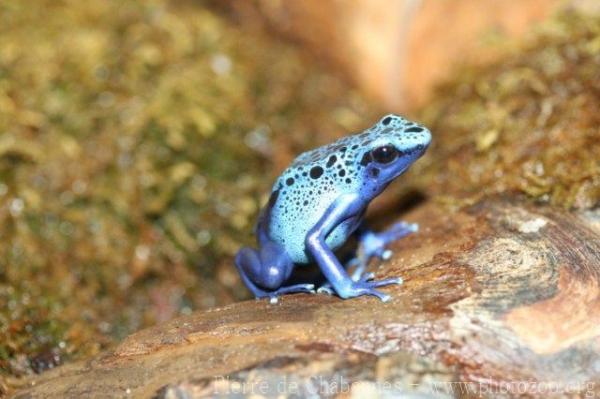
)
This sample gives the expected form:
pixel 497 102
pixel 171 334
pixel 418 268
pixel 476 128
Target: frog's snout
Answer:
pixel 420 142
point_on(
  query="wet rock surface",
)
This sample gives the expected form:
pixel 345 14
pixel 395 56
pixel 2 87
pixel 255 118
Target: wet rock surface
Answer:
pixel 500 298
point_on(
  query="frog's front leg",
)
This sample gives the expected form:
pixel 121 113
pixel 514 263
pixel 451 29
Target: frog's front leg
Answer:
pixel 265 271
pixel 372 244
pixel 342 209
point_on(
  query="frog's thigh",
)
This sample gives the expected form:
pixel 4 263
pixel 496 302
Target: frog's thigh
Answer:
pixel 267 268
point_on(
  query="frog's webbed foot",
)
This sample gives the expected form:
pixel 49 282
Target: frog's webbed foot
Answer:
pixel 365 278
pixel 274 295
pixel 365 287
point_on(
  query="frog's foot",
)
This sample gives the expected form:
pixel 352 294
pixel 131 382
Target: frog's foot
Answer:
pixel 374 245
pixel 364 283
pixel 357 275
pixel 370 276
pixel 326 288
pixel 274 295
pixel 360 288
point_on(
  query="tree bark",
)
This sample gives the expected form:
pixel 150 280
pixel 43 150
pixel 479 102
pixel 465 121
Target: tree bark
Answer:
pixel 500 299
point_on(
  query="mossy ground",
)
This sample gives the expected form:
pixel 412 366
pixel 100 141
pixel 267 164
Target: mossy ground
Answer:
pixel 137 140
pixel 528 123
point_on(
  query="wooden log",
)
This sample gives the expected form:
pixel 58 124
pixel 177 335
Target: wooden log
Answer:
pixel 500 299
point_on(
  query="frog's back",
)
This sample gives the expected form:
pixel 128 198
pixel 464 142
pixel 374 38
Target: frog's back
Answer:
pixel 307 189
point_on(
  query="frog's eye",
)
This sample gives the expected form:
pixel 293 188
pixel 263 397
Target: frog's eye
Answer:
pixel 384 154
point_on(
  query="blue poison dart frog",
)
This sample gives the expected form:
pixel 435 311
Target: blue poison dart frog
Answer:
pixel 319 202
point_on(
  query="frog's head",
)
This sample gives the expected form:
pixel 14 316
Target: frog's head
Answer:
pixel 393 145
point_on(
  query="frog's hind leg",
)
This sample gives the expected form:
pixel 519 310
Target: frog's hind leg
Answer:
pixel 374 244
pixel 265 271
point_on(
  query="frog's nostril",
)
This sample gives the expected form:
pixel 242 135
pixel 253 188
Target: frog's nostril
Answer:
pixel 421 147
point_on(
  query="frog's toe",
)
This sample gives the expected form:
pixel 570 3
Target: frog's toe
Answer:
pixel 375 243
pixel 309 288
pixel 399 230
pixel 403 227
pixel 369 290
pixel 366 287
pixel 387 254
pixel 274 295
pixel 386 281
pixel 383 297
pixel 366 277
pixel 326 289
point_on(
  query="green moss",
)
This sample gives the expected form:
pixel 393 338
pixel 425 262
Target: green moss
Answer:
pixel 137 140
pixel 529 123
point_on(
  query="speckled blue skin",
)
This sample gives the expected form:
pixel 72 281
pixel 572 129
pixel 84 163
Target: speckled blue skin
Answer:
pixel 319 202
